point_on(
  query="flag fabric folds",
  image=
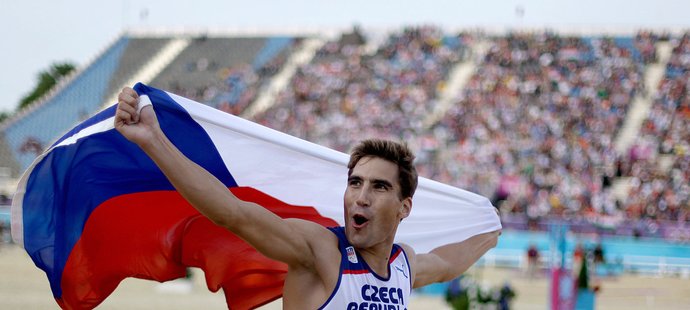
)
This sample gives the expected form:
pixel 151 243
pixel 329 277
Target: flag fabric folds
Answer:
pixel 94 209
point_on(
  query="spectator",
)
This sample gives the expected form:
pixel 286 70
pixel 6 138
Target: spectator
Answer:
pixel 532 261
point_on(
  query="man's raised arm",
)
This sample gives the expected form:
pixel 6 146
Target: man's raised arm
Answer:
pixel 449 261
pixel 283 240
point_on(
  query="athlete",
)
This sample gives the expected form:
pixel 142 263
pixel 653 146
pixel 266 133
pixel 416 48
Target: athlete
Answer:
pixel 352 267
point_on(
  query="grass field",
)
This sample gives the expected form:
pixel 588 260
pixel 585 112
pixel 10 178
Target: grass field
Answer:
pixel 23 286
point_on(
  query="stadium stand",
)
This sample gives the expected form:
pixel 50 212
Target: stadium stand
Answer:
pixel 32 131
pixel 225 73
pixel 137 53
pixel 536 127
pixel 344 94
pixel 659 163
pixel 532 120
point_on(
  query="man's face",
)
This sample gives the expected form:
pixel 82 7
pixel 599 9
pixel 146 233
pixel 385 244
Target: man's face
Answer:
pixel 373 208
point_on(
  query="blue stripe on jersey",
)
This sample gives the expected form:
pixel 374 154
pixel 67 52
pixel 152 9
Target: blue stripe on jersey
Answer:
pixel 360 266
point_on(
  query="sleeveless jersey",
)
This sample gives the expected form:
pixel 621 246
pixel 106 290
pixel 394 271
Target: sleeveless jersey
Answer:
pixel 359 287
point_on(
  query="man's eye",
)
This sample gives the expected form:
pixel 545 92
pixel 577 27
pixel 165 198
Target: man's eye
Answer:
pixel 355 182
pixel 382 187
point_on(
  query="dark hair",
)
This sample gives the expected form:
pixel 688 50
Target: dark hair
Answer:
pixel 397 153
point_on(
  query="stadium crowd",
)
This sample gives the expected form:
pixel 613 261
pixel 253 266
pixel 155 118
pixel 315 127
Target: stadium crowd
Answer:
pixel 344 94
pixel 659 164
pixel 235 87
pixel 534 128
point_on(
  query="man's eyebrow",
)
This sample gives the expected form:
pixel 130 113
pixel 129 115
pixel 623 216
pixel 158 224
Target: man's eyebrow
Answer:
pixel 382 182
pixel 354 178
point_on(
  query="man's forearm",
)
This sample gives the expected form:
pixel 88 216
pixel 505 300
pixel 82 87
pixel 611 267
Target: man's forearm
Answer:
pixel 449 261
pixel 204 191
pixel 461 256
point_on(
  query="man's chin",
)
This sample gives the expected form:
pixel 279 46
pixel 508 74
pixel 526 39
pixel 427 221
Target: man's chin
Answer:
pixel 354 238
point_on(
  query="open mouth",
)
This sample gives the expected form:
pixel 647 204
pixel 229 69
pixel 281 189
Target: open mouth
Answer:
pixel 360 220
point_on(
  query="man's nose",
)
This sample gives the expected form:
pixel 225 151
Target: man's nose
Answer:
pixel 363 196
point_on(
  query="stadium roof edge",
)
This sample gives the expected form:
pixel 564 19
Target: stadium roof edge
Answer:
pixel 144 32
pixel 576 29
pixel 231 31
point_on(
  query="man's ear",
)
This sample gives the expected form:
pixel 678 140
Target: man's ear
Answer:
pixel 406 207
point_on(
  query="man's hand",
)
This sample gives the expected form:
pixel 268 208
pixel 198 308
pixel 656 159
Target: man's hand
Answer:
pixel 139 127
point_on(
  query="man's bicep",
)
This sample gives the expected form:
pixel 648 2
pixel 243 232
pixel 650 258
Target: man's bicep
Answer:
pixel 429 269
pixel 451 260
pixel 286 240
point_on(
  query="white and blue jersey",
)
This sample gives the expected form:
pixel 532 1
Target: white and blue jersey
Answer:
pixel 360 288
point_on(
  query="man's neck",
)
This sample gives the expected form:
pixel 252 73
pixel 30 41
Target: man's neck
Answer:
pixel 377 258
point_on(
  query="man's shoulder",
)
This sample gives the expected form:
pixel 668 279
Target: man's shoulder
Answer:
pixel 318 236
pixel 325 255
pixel 411 257
pixel 409 250
pixel 306 224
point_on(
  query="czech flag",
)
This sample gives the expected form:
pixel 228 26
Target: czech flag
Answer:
pixel 94 209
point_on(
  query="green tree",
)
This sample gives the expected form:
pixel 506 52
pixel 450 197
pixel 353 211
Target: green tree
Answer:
pixel 47 79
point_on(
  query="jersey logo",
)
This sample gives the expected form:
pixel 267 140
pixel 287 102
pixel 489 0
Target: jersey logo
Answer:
pixel 402 270
pixel 351 255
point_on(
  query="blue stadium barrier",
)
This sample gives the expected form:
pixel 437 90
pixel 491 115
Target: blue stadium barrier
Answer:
pixel 78 100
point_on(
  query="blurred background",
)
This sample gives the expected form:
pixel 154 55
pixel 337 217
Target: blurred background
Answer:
pixel 573 117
